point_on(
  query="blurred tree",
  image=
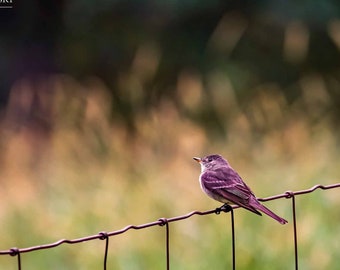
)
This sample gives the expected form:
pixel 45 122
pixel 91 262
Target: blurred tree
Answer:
pixel 30 46
pixel 252 43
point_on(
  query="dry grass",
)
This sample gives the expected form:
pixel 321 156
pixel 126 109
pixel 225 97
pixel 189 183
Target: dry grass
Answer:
pixel 86 174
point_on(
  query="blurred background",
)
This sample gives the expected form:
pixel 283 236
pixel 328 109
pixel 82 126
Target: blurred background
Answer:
pixel 103 104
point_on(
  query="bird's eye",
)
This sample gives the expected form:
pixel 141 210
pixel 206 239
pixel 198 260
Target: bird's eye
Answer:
pixel 210 159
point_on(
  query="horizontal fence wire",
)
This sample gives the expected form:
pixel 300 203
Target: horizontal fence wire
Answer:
pixel 166 221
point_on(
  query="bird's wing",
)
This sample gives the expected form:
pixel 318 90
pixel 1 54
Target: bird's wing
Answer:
pixel 227 179
pixel 227 184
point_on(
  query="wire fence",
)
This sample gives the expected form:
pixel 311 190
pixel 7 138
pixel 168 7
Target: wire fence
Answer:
pixel 16 252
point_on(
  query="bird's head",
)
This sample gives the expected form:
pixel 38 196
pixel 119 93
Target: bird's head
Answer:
pixel 211 162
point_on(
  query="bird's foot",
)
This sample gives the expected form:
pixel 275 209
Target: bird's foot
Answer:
pixel 225 208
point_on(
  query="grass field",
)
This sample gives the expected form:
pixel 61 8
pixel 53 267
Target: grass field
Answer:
pixel 90 174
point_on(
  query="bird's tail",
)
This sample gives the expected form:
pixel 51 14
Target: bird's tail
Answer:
pixel 256 204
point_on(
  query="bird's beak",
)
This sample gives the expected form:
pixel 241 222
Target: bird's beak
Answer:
pixel 199 160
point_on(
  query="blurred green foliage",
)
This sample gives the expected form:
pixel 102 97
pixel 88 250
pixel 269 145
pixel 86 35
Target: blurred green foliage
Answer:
pixel 105 104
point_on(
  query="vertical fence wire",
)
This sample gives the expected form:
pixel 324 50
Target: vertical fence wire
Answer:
pixel 227 208
pixel 292 196
pixel 165 222
pixel 16 252
pixel 104 236
pixel 233 239
pixel 167 248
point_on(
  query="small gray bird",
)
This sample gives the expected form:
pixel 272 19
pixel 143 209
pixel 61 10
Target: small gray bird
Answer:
pixel 222 183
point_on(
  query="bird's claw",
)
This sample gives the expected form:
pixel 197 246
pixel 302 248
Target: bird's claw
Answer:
pixel 226 208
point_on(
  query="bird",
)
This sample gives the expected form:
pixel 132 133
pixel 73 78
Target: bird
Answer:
pixel 222 183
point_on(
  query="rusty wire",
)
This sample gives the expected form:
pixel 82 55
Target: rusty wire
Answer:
pixel 166 221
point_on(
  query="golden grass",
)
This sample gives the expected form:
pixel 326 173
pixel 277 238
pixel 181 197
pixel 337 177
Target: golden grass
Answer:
pixel 88 174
